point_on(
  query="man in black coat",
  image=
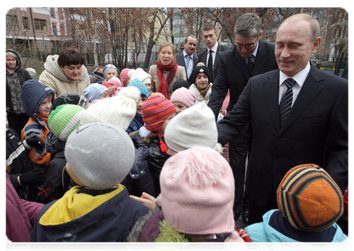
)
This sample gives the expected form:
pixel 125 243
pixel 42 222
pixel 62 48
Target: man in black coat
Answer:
pixel 312 127
pixel 187 58
pixel 233 75
pixel 210 38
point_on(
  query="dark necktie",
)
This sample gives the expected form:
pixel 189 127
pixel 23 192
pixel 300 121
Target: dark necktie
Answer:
pixel 286 100
pixel 250 64
pixel 210 62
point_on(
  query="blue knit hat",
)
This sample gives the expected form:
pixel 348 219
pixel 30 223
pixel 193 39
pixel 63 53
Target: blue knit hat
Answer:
pixel 141 86
pixel 94 91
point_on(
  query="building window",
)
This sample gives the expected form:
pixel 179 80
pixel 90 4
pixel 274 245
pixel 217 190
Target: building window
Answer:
pixel 40 24
pixel 25 23
pixel 11 21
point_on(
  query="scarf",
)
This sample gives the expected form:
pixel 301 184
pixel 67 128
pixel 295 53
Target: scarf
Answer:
pixel 204 91
pixel 172 68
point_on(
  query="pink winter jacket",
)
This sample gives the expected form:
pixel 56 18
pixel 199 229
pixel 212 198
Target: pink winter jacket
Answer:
pixel 20 215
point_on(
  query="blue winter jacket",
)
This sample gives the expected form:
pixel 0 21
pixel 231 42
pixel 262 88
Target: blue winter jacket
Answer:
pixel 266 238
pixel 110 221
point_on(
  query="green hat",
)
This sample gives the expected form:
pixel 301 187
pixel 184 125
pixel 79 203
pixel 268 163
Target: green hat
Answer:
pixel 64 119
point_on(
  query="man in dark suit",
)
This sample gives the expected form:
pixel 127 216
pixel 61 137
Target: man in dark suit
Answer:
pixel 187 58
pixel 298 115
pixel 233 75
pixel 211 55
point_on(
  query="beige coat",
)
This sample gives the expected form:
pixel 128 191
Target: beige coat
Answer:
pixel 54 77
pixel 155 82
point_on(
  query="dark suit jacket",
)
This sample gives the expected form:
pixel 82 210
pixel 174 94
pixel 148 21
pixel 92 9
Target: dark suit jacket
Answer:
pixel 316 130
pixel 203 57
pixel 233 74
pixel 180 61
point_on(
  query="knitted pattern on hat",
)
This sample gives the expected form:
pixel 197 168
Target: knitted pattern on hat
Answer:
pixel 100 155
pixel 156 110
pixel 64 119
pixel 309 198
pixel 141 86
pixel 184 96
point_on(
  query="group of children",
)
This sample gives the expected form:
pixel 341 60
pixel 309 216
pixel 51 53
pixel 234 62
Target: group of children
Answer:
pixel 104 157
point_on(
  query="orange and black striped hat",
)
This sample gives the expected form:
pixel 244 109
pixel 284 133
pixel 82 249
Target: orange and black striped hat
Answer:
pixel 309 198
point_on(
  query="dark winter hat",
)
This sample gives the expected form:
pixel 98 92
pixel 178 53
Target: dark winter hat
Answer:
pixel 309 198
pixel 180 83
pixel 200 69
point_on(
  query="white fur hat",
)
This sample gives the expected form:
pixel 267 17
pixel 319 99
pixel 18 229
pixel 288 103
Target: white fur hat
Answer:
pixel 141 75
pixel 118 110
pixel 100 155
pixel 192 127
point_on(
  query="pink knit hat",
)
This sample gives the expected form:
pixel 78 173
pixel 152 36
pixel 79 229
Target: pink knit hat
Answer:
pixel 184 96
pixel 124 76
pixel 197 193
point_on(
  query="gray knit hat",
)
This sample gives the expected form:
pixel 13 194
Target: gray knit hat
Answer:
pixel 100 155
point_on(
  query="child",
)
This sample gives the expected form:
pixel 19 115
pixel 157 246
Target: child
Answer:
pixel 118 110
pixel 138 122
pixel 99 209
pixel 116 83
pixel 109 71
pixel 95 91
pixel 197 194
pixel 24 177
pixel 202 85
pixel 124 76
pixel 62 121
pixel 182 98
pixel 157 112
pixel 141 75
pixel 37 102
pixel 111 89
pixel 310 203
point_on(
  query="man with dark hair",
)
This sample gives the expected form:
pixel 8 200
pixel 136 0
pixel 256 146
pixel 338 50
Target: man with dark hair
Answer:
pixel 65 73
pixel 249 57
pixel 210 56
pixel 298 115
pixel 187 58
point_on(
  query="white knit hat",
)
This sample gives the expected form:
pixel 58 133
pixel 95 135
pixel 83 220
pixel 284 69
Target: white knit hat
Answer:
pixel 100 155
pixel 118 110
pixel 192 127
pixel 141 75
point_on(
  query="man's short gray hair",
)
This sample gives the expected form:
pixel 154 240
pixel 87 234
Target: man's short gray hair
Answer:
pixel 248 25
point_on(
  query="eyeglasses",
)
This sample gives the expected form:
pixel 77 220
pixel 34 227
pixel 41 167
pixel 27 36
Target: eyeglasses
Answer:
pixel 247 46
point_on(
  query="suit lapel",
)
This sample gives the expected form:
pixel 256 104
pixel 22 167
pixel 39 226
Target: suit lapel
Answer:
pixel 239 62
pixel 271 91
pixel 311 88
pixel 261 59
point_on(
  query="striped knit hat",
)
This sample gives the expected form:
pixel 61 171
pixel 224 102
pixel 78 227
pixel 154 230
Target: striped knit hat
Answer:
pixel 309 198
pixel 156 110
pixel 64 119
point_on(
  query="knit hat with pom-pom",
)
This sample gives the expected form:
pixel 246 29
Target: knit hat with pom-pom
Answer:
pixel 118 110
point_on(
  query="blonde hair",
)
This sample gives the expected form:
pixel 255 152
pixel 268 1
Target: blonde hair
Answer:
pixel 172 46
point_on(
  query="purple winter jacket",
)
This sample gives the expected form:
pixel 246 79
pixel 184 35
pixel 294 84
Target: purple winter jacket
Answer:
pixel 20 215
